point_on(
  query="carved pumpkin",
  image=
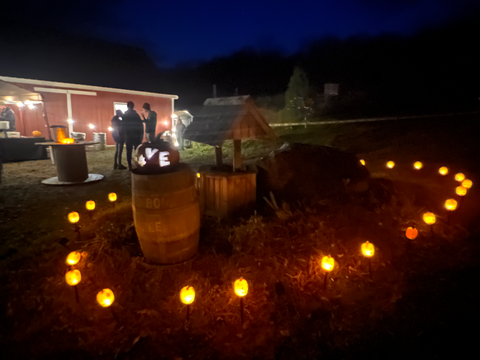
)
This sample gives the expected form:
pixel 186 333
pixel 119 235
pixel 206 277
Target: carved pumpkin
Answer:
pixel 156 157
pixel 73 277
pixel 411 233
pixel 187 295
pixel 36 133
pixel 429 218
pixel 328 263
pixel 73 258
pixel 240 287
pixel 105 298
pixel 368 250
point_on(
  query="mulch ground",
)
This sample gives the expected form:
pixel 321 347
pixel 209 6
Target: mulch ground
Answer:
pixel 421 302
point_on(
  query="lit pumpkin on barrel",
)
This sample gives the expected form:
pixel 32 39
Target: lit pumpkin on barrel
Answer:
pixel 156 157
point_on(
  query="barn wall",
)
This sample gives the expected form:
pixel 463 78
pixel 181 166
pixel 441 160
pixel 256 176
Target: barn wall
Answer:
pixel 97 110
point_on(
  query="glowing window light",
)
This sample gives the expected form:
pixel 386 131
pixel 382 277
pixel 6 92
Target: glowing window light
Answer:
pixel 418 165
pixel 390 164
pixel 459 177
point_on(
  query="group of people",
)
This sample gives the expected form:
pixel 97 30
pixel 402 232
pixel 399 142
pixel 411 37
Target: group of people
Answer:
pixel 128 129
pixel 7 114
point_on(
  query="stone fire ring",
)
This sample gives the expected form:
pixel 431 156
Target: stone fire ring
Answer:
pixel 91 178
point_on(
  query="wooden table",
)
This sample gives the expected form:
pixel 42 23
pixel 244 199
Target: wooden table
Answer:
pixel 71 163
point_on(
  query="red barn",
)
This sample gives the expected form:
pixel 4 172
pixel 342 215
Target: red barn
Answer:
pixel 90 108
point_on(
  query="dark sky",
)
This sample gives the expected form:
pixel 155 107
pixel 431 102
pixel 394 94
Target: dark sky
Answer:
pixel 174 32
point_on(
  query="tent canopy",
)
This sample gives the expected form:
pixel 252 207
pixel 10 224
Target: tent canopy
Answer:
pixel 12 94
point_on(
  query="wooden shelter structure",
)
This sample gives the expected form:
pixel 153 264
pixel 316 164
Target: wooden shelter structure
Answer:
pixel 230 118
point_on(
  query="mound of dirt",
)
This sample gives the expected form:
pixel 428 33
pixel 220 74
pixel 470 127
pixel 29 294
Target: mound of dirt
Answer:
pixel 301 171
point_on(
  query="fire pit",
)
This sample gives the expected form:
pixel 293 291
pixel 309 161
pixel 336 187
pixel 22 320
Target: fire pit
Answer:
pixel 71 162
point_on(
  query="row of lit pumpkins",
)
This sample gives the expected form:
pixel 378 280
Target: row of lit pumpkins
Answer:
pixel 106 297
pixel 74 216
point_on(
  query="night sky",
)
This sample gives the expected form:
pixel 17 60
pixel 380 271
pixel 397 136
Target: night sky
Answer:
pixel 179 32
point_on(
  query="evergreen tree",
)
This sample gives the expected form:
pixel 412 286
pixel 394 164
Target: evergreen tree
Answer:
pixel 298 104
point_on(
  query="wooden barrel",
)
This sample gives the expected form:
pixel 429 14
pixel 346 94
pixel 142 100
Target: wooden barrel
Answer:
pixel 166 215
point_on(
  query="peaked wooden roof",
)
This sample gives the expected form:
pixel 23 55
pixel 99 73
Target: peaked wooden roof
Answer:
pixel 230 118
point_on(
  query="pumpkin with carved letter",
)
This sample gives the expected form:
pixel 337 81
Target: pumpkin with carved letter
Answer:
pixel 157 157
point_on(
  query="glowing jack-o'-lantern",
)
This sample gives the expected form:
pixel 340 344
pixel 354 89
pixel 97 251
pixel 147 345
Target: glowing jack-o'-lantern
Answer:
pixel 73 258
pixel 68 141
pixel 368 250
pixel 105 297
pixel 112 197
pixel 429 218
pixel 390 164
pixel 362 162
pixel 443 171
pixel 240 287
pixel 451 204
pixel 328 263
pixel 467 183
pixel 73 277
pixel 459 177
pixel 90 205
pixel 460 190
pixel 187 295
pixel 418 165
pixel 73 217
pixel 156 157
pixel 411 233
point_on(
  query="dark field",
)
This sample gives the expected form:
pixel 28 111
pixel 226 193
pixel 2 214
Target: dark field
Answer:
pixel 421 303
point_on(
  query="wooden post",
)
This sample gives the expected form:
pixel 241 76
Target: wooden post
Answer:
pixel 237 155
pixel 218 155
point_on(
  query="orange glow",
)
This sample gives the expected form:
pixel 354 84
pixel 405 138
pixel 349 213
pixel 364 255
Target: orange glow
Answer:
pixel 328 263
pixel 390 164
pixel 411 233
pixel 362 162
pixel 90 205
pixel 451 204
pixel 105 297
pixel 187 295
pixel 73 277
pixel 429 218
pixel 443 170
pixel 368 250
pixel 112 197
pixel 73 217
pixel 73 258
pixel 467 183
pixel 459 177
pixel 68 141
pixel 461 191
pixel 418 165
pixel 240 287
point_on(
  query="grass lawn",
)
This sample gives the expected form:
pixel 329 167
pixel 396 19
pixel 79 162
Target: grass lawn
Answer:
pixel 420 302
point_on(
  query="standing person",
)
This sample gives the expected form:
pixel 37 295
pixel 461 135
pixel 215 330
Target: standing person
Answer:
pixel 180 129
pixel 150 122
pixel 133 127
pixel 118 134
pixel 7 114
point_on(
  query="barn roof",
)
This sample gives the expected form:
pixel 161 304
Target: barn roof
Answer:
pixel 230 118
